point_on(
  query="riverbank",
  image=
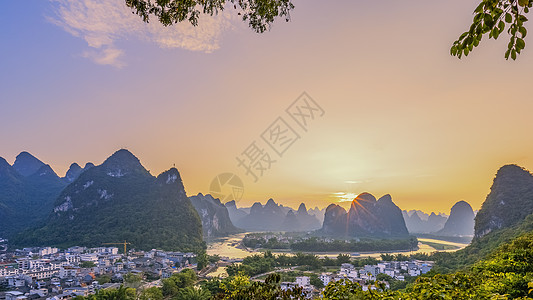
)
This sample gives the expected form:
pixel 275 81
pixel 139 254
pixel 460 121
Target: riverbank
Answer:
pixel 232 248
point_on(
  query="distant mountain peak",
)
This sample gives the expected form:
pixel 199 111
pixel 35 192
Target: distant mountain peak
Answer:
pixel 385 199
pixel 256 208
pixel 366 217
pixel 27 164
pixel 510 169
pixel 271 203
pixel 122 163
pixel 172 175
pixel 302 209
pixel 88 165
pixel 364 199
pixel 73 172
pixel 74 166
pixel 460 222
pixel 231 203
pixel 172 178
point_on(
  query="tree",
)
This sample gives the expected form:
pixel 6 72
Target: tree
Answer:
pixel 316 282
pixel 259 14
pixel 240 288
pixel 383 277
pixel 172 285
pixel 387 257
pixel 103 279
pixel 193 293
pixel 343 259
pixel 122 293
pixel 153 293
pixel 132 280
pixel 87 264
pixel 492 17
pixel 213 258
pixel 202 260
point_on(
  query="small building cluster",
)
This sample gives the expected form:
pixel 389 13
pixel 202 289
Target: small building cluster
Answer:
pixel 48 273
pixel 304 282
pixel 395 269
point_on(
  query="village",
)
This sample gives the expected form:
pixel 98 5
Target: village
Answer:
pixel 53 274
pixel 48 273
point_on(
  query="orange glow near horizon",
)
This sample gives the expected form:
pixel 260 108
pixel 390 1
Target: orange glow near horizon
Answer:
pixel 401 116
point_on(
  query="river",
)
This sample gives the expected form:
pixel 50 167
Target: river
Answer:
pixel 231 247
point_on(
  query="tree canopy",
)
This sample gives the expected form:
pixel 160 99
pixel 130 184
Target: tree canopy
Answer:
pixel 259 14
pixel 492 17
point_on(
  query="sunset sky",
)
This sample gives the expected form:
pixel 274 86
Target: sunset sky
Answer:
pixel 82 79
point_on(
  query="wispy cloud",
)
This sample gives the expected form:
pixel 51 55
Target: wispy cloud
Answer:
pixel 103 22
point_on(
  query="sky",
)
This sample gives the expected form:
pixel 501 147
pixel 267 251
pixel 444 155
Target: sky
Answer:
pixel 393 112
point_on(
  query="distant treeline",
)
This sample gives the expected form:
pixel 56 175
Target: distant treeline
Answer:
pixel 315 244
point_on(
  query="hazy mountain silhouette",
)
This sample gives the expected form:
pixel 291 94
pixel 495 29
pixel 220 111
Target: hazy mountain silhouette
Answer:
pixel 272 217
pixel 365 218
pixel 460 222
pixel 426 224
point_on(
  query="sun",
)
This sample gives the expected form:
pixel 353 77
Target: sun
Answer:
pixel 344 197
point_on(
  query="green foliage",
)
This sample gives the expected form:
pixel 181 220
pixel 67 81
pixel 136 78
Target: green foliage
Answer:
pixel 87 264
pixel 387 257
pixel 212 285
pixel 315 281
pixel 193 293
pixel 103 279
pixel 240 288
pixel 341 290
pixel 153 293
pixel 213 258
pixel 25 201
pixel 343 258
pixel 492 17
pixel 258 264
pixel 145 212
pixel 463 259
pixel 383 277
pixel 506 274
pixel 133 280
pixel 122 293
pixel 202 259
pixel 315 244
pixel 259 14
pixel 149 276
pixel 177 281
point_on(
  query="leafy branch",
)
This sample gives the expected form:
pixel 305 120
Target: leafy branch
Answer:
pixel 259 14
pixel 492 17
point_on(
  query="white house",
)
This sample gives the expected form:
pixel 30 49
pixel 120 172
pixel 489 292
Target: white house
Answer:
pixel 303 281
pixel 325 278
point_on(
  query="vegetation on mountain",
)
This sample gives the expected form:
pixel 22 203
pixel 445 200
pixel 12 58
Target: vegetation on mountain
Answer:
pixel 509 202
pixel 119 200
pixel 26 200
pixel 214 215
